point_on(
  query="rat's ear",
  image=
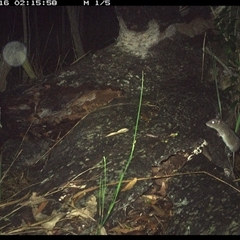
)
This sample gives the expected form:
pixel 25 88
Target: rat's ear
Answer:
pixel 218 116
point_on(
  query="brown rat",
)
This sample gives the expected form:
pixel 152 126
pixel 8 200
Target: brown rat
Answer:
pixel 229 137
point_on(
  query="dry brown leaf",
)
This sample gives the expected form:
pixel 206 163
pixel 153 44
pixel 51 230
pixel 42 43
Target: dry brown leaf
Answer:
pixel 103 231
pixel 40 216
pixel 35 200
pixel 87 212
pixel 82 212
pixel 119 230
pixel 151 198
pixel 129 185
pixel 159 211
pixel 123 130
pixel 163 191
pixel 91 205
pixel 41 207
pixel 49 225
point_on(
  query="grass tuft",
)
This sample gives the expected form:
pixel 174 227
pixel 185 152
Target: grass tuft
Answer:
pixel 103 181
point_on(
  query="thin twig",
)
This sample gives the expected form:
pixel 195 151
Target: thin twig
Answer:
pixel 216 58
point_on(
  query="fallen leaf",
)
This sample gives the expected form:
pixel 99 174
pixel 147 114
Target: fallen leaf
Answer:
pixel 49 225
pixel 41 207
pixel 87 212
pixel 123 130
pixel 129 185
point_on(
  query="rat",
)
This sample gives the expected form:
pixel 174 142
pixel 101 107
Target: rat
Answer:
pixel 229 137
